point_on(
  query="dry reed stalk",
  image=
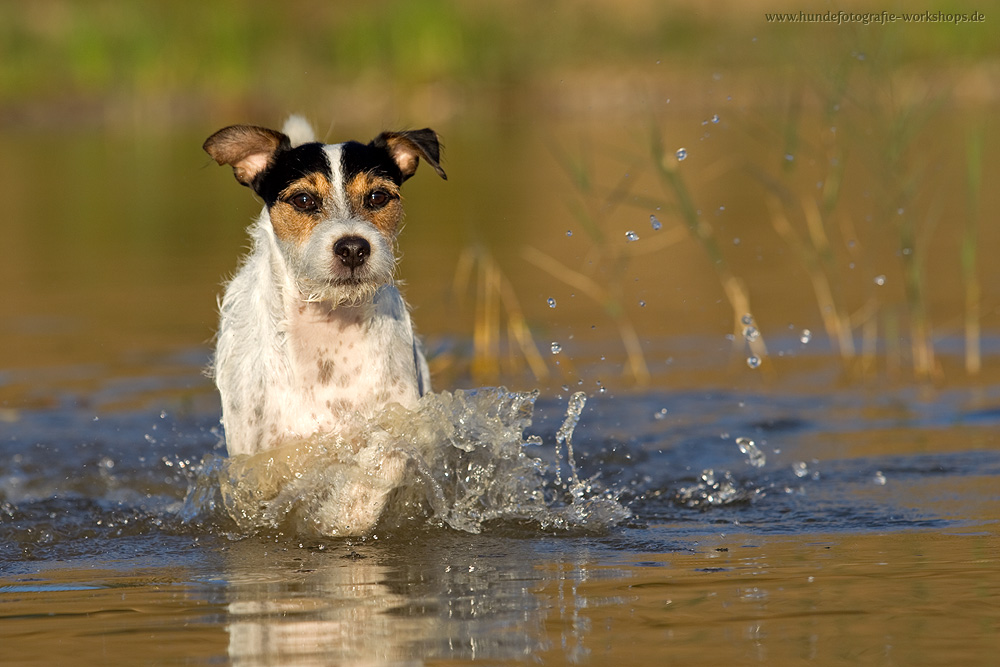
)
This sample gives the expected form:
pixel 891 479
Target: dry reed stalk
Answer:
pixel 592 289
pixel 836 323
pixel 735 290
pixel 970 279
pixel 495 298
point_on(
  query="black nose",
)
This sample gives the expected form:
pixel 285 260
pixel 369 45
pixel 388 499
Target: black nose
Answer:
pixel 352 251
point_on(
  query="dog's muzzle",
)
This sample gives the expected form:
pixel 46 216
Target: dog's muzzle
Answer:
pixel 353 251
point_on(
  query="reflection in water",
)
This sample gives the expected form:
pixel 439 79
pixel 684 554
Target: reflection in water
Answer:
pixel 391 605
pixel 633 596
pixel 837 598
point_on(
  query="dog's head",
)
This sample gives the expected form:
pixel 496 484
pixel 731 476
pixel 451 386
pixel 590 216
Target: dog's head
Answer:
pixel 335 208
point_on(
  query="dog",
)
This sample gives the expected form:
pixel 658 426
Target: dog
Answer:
pixel 313 331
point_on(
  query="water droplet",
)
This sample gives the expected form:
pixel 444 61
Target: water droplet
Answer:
pixel 805 336
pixel 631 236
pixel 751 333
pixel 552 302
pixel 755 457
pixel 880 280
pixel 879 478
pixel 662 414
pixel 656 224
pixel 556 348
pixel 681 154
pixel 715 118
pixel 800 469
pixel 789 157
pixel 753 361
pixel 569 232
pixel 642 304
pixel 747 319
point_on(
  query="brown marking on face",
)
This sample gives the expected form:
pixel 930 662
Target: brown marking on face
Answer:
pixel 291 224
pixel 386 218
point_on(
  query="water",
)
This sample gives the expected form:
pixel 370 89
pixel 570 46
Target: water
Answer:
pixel 628 524
pixel 457 460
pixel 524 555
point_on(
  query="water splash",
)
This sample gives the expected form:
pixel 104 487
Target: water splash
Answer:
pixel 458 460
pixel 564 436
pixel 755 456
pixel 716 489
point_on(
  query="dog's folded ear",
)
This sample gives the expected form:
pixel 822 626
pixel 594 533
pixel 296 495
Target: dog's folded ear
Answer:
pixel 406 149
pixel 248 149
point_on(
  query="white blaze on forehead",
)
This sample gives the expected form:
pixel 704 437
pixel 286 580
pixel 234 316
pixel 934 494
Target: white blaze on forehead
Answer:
pixel 337 193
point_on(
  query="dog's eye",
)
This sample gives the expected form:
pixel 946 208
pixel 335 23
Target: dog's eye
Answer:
pixel 378 198
pixel 304 201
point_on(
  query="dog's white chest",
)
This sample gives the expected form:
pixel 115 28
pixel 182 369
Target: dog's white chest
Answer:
pixel 349 359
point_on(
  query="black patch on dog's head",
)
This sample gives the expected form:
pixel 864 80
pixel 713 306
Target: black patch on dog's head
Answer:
pixel 357 158
pixel 289 166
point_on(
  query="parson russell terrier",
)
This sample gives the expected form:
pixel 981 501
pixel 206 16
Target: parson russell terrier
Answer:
pixel 313 330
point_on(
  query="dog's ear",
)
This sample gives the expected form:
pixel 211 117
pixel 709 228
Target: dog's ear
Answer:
pixel 406 149
pixel 248 149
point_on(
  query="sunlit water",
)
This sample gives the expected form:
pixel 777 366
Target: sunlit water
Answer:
pixel 560 527
pixel 746 508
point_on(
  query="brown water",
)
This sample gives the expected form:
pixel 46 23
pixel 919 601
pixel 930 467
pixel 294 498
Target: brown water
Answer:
pixel 856 524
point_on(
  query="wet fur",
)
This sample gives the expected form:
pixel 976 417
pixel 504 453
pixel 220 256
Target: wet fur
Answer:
pixel 307 342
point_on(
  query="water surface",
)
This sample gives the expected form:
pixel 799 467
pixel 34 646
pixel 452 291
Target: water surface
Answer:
pixel 819 506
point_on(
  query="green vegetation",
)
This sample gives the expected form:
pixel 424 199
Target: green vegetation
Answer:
pixel 230 51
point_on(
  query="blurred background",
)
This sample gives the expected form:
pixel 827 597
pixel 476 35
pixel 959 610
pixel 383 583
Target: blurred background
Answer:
pixel 641 193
